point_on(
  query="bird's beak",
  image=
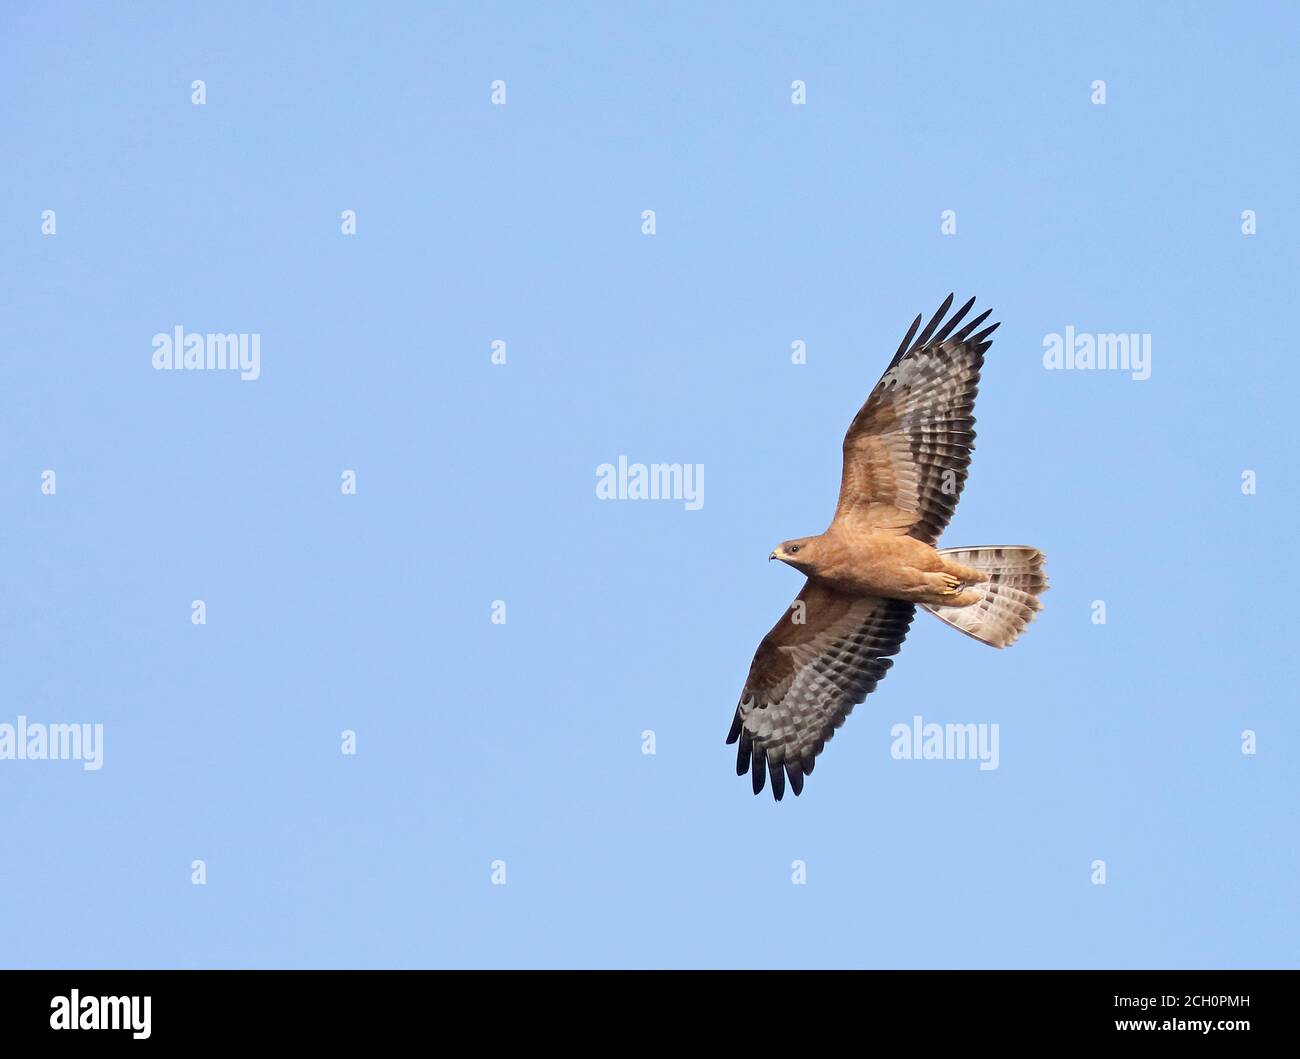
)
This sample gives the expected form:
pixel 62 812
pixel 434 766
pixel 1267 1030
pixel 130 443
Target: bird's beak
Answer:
pixel 773 556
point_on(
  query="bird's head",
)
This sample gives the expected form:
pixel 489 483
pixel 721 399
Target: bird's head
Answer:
pixel 800 553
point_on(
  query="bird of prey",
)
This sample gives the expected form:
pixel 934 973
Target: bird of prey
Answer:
pixel 905 460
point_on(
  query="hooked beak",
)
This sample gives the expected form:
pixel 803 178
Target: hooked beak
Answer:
pixel 773 555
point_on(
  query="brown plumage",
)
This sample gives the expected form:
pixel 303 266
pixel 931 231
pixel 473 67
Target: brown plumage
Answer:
pixel 905 459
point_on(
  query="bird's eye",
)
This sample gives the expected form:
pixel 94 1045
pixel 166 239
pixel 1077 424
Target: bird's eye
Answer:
pixel 793 548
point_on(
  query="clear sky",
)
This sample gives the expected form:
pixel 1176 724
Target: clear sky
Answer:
pixel 522 742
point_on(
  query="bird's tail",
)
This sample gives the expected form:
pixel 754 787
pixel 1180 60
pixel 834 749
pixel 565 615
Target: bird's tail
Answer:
pixel 1009 602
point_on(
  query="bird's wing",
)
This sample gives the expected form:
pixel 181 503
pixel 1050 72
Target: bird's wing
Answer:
pixel 825 655
pixel 907 450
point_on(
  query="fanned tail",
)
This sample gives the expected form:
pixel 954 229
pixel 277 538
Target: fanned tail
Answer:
pixel 1016 579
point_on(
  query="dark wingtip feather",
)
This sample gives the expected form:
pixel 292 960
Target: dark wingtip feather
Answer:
pixel 924 336
pixel 742 757
pixel 778 782
pixel 961 335
pixel 795 771
pixel 953 321
pixel 906 341
pixel 736 725
pixel 760 772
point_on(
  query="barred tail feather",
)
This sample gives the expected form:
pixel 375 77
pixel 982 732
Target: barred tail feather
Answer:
pixel 1016 578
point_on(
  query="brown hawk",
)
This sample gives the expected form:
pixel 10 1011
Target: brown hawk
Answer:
pixel 905 459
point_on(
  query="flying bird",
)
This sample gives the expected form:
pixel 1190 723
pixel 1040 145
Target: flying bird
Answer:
pixel 905 459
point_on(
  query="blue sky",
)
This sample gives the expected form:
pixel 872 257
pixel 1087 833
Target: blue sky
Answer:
pixel 522 742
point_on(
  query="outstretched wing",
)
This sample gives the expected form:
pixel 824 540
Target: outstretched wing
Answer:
pixel 907 450
pixel 825 655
